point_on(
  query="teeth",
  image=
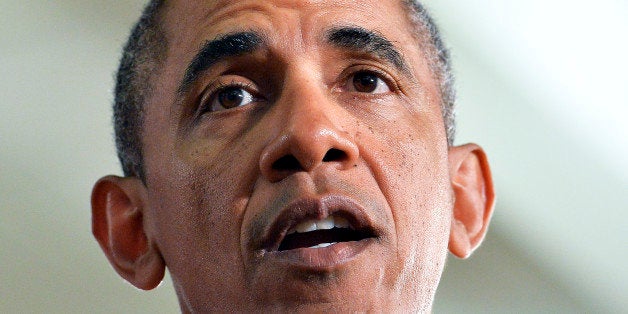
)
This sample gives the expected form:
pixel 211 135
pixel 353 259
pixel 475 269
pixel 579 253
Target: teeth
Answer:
pixel 322 245
pixel 340 222
pixel 306 226
pixel 324 224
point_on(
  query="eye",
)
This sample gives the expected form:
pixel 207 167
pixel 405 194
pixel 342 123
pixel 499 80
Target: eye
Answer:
pixel 229 97
pixel 368 82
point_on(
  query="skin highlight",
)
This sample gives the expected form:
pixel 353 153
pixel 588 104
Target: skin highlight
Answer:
pixel 320 126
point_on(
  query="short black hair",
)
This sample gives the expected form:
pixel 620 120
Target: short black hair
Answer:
pixel 146 49
pixel 439 60
pixel 141 57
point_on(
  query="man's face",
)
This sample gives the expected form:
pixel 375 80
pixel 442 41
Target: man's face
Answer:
pixel 297 116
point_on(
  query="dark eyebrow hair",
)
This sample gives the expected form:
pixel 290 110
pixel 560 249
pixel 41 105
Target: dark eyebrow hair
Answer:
pixel 215 50
pixel 358 38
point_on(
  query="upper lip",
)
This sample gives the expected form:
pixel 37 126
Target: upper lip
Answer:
pixel 316 208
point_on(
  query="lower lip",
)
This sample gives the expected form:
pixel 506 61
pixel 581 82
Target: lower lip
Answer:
pixel 321 259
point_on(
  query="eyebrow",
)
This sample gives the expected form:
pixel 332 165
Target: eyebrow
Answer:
pixel 363 40
pixel 218 49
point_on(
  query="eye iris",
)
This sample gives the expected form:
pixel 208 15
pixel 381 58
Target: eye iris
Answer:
pixel 231 97
pixel 365 82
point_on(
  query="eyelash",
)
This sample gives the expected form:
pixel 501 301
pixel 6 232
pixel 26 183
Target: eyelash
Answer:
pixel 212 91
pixel 210 94
pixel 385 77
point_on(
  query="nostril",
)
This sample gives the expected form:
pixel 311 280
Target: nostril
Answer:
pixel 287 163
pixel 335 155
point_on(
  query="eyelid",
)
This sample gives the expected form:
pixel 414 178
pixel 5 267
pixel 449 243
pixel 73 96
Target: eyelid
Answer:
pixel 383 75
pixel 209 94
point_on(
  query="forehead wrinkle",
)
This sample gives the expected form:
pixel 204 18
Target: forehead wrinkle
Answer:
pixel 272 16
pixel 226 12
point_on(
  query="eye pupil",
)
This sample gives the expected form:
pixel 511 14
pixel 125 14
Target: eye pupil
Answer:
pixel 365 82
pixel 231 97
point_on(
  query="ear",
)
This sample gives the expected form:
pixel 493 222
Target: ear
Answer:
pixel 118 226
pixel 474 198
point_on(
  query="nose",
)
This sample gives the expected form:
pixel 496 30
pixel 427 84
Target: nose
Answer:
pixel 308 137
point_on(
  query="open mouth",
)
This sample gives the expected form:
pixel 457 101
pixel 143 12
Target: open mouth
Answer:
pixel 318 234
pixel 318 223
pixel 321 233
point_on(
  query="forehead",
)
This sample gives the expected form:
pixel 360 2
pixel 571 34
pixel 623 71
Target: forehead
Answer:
pixel 189 23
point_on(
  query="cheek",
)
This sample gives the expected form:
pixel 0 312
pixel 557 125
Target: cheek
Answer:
pixel 194 228
pixel 197 199
pixel 408 159
pixel 414 179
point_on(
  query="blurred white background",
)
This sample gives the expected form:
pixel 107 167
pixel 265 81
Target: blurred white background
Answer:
pixel 542 87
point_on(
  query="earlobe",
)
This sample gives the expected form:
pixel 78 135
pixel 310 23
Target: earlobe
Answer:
pixel 118 226
pixel 472 186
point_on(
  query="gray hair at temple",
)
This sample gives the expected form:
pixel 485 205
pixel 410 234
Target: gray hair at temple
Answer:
pixel 146 50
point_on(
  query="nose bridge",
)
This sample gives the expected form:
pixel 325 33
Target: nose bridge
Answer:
pixel 309 131
pixel 308 109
